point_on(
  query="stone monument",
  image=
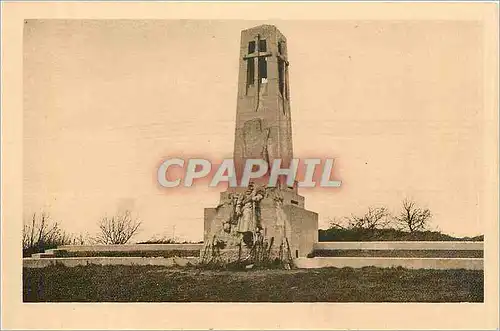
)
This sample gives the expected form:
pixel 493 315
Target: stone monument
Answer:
pixel 259 222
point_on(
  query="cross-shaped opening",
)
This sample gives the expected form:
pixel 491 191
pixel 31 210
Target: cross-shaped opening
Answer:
pixel 281 70
pixel 251 47
pixel 250 72
pixel 261 47
pixel 263 69
pixel 281 76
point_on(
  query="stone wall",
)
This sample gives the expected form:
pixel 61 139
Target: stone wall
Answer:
pixel 304 230
pixel 390 262
pixel 83 261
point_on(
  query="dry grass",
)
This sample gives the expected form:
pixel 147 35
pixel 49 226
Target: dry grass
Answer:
pixel 147 284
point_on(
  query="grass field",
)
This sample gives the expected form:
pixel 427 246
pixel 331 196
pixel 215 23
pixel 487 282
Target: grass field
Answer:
pixel 399 253
pixel 149 283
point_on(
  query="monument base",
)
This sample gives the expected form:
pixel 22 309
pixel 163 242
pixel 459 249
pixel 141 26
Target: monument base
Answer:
pixel 260 225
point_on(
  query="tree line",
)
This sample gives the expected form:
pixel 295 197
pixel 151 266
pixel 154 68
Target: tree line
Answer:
pixel 411 218
pixel 41 232
pixel 411 223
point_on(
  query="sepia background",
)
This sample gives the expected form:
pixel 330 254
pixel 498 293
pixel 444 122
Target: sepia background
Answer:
pixel 280 316
pixel 399 104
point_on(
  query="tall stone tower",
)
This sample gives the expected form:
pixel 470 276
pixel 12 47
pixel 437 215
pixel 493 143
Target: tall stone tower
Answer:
pixel 273 216
pixel 263 119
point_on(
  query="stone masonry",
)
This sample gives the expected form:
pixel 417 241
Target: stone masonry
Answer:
pixel 263 131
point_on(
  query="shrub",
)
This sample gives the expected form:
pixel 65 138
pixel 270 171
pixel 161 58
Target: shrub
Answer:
pixel 118 229
pixel 413 218
pixel 42 233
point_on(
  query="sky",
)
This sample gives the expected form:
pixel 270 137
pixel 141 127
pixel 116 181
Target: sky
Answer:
pixel 398 104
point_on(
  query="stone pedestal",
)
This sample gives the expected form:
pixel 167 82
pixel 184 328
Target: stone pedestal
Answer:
pixel 285 230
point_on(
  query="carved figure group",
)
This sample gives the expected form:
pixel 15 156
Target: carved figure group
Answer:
pixel 245 216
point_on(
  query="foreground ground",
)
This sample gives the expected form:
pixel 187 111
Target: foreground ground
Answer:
pixel 149 283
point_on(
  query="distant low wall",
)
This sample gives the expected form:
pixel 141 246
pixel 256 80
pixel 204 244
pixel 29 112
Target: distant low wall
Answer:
pixel 130 247
pixel 430 260
pixel 409 263
pixel 401 245
pixel 83 261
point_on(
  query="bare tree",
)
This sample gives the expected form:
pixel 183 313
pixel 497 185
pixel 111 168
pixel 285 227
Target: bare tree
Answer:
pixel 41 233
pixel 118 229
pixel 374 218
pixel 413 218
pixel 338 223
pixel 82 239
